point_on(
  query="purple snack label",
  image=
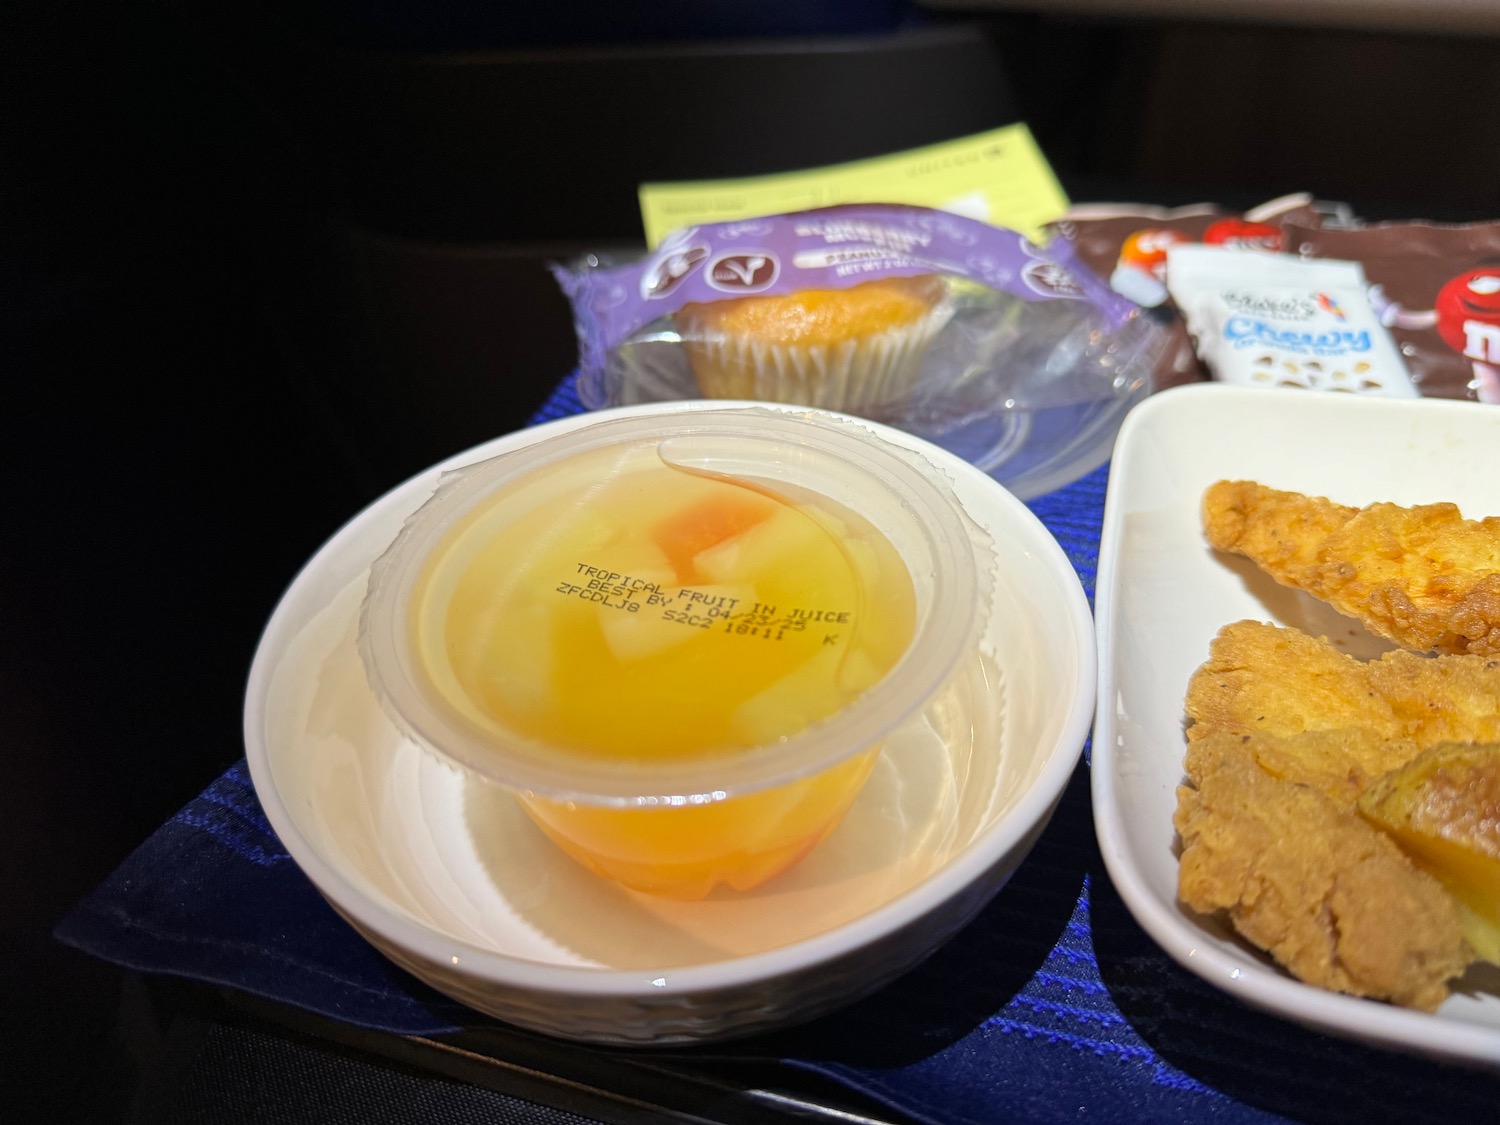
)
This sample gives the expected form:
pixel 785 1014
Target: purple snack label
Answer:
pixel 829 248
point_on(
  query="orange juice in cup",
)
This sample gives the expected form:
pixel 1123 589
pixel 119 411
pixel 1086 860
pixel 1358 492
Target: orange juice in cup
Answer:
pixel 679 637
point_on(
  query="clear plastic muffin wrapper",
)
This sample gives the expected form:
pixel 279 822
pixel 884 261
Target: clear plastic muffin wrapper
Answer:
pixel 1024 366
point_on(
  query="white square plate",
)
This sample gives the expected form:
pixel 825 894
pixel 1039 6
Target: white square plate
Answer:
pixel 1163 594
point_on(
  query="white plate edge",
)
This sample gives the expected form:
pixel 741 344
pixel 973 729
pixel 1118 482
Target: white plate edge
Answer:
pixel 1257 986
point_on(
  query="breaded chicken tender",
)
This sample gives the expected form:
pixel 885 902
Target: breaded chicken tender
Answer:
pixel 1301 876
pixel 1423 577
pixel 1266 679
pixel 1340 764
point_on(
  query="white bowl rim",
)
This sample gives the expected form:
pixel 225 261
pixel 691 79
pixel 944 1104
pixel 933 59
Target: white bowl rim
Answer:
pixel 1033 806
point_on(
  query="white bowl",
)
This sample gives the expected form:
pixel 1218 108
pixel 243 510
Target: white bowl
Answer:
pixel 1163 594
pixel 443 873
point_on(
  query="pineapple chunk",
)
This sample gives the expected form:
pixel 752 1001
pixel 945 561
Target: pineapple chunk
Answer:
pixel 510 661
pixel 810 692
pixel 1443 809
pixel 635 558
pixel 725 515
pixel 762 548
pixel 635 636
pixel 858 672
pixel 649 631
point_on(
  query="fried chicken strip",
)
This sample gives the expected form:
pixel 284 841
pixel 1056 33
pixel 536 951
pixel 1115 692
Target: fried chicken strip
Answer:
pixel 1301 876
pixel 1340 764
pixel 1266 679
pixel 1423 577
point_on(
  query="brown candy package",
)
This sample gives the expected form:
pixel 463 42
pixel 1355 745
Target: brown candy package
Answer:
pixel 1126 245
pixel 1436 287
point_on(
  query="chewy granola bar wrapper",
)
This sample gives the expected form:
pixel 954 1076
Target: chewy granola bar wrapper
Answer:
pixel 1436 287
pixel 1012 355
pixel 1272 320
pixel 1127 245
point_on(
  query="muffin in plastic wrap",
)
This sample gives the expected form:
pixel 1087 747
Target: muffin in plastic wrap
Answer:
pixel 1013 356
pixel 858 349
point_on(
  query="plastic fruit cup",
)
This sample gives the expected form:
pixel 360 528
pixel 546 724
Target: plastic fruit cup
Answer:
pixel 680 637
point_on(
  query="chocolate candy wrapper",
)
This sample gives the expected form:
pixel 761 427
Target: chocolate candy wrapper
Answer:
pixel 1436 287
pixel 1127 244
pixel 1015 356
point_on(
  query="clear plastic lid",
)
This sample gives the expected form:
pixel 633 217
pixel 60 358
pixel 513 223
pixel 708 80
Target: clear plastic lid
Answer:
pixel 676 606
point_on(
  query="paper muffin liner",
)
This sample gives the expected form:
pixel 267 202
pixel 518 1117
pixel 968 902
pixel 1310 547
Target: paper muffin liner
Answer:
pixel 860 375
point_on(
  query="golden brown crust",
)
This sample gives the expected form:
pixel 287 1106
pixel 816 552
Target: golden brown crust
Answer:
pixel 1261 677
pixel 1301 876
pixel 1341 764
pixel 1289 738
pixel 1283 528
pixel 1272 680
pixel 1423 576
